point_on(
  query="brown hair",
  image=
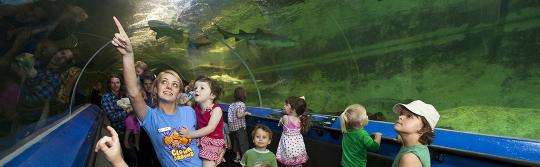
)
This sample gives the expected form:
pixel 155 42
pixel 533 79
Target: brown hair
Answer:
pixel 47 58
pixel 239 94
pixel 427 134
pixel 300 107
pixel 148 75
pixel 215 88
pixel 111 76
pixel 263 128
pixel 141 65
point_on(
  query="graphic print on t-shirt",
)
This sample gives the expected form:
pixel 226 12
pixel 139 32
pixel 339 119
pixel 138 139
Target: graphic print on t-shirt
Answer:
pixel 178 146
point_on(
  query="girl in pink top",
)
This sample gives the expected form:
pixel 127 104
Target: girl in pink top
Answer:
pixel 209 122
pixel 291 149
pixel 132 126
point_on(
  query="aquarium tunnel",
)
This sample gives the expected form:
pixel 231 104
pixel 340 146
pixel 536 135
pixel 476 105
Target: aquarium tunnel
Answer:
pixel 476 62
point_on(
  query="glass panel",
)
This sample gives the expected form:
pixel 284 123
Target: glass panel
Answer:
pixel 40 60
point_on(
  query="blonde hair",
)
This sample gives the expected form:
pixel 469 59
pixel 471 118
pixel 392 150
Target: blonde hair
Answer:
pixel 353 117
pixel 155 100
pixel 141 65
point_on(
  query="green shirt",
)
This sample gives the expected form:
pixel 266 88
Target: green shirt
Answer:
pixel 421 151
pixel 355 145
pixel 253 157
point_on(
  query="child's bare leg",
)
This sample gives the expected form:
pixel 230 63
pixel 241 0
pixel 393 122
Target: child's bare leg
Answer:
pixel 208 163
pixel 220 159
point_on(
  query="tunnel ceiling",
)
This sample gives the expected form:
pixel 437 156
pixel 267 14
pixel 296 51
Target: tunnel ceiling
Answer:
pixel 332 30
pixel 192 43
pixel 191 40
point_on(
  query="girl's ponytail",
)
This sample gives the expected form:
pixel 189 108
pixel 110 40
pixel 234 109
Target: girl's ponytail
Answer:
pixel 343 119
pixel 305 122
pixel 300 107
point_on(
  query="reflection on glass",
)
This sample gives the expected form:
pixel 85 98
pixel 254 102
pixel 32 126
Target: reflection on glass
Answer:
pixel 38 65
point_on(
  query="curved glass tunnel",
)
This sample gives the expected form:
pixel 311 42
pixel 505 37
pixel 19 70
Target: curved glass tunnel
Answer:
pixel 478 62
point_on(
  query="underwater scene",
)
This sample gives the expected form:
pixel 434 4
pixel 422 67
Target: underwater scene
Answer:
pixel 477 62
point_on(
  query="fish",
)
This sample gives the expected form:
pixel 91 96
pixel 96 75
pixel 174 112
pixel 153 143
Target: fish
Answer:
pixel 163 29
pixel 209 66
pixel 227 79
pixel 204 39
pixel 278 83
pixel 259 38
pixel 200 41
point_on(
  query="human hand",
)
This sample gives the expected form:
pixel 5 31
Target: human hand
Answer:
pixel 248 113
pixel 183 99
pixel 184 132
pixel 121 40
pixel 398 139
pixel 129 109
pixel 22 35
pixel 377 134
pixel 110 146
pixel 74 71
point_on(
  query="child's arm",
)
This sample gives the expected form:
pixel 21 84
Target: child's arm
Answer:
pixel 243 114
pixel 215 117
pixel 18 44
pixel 274 162
pixel 242 111
pixel 243 162
pixel 377 137
pixel 123 45
pixel 126 138
pixel 372 144
pixel 137 141
pixel 409 159
pixel 283 120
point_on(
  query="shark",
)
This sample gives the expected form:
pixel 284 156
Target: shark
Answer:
pixel 209 66
pixel 259 38
pixel 227 79
pixel 163 29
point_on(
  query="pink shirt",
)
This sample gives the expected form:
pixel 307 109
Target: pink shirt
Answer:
pixel 132 124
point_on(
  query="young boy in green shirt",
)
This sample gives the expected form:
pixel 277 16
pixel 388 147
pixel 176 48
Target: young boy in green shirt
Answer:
pixel 356 141
pixel 262 136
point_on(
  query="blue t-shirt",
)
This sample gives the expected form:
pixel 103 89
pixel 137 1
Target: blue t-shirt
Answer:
pixel 163 130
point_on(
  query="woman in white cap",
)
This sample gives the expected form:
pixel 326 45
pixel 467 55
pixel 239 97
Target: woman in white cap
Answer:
pixel 415 126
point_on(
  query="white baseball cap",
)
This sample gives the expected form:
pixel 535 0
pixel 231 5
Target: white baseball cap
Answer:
pixel 423 109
